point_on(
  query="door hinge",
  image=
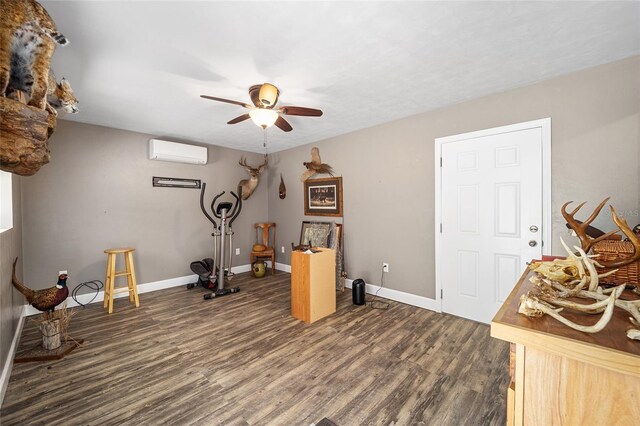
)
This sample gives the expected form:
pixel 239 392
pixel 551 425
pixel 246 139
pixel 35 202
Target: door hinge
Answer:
pixel 441 294
pixel 440 161
pixel 441 228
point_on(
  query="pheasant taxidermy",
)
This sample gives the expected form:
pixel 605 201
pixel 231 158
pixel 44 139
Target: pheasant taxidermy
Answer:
pixel 43 300
pixel 315 165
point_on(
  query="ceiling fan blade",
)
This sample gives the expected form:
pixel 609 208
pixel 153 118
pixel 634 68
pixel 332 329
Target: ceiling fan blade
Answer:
pixel 296 110
pixel 239 119
pixel 229 101
pixel 283 124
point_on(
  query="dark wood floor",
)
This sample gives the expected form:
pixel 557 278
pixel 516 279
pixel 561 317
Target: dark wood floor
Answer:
pixel 243 360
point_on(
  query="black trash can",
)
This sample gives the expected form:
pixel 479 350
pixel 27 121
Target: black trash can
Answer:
pixel 357 290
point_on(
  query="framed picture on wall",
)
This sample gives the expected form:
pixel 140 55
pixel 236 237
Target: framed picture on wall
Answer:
pixel 323 197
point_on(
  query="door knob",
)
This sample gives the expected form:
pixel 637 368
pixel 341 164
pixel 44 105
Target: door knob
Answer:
pixel 533 228
pixel 533 243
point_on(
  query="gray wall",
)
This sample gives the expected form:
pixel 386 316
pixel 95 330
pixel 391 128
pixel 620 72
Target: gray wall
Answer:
pixel 96 194
pixel 388 170
pixel 11 302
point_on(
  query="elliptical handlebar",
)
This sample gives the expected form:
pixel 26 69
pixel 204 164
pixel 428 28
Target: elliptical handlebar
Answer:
pixel 204 185
pixel 213 210
pixel 236 208
pixel 235 212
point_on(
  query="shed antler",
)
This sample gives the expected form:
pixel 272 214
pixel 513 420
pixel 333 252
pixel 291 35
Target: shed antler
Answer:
pixel 581 227
pixel 558 281
pixel 587 242
pixel 633 238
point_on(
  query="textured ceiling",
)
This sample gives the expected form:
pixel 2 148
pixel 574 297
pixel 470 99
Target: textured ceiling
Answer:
pixel 141 66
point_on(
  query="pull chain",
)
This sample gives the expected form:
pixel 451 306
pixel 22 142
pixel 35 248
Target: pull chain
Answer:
pixel 264 143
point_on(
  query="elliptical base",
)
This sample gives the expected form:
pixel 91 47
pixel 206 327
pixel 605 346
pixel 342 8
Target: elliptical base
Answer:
pixel 220 293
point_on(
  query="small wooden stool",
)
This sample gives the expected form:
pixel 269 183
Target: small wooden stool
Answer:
pixel 109 285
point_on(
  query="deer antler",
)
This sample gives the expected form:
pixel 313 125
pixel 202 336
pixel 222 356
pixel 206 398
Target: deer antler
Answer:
pixel 587 242
pixel 531 306
pixel 633 238
pixel 263 165
pixel 243 162
pixel 581 227
pixel 551 295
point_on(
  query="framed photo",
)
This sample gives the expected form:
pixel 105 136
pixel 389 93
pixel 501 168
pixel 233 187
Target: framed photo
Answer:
pixel 323 197
pixel 318 234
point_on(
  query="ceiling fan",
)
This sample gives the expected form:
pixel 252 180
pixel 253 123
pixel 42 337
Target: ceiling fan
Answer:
pixel 264 98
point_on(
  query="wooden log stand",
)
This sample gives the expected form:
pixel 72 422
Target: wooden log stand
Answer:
pixel 52 345
pixel 48 339
pixel 51 333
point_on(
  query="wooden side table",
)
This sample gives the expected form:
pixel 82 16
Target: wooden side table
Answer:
pixel 565 377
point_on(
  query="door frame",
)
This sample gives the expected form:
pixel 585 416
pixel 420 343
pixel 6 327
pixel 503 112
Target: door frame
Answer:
pixel 545 125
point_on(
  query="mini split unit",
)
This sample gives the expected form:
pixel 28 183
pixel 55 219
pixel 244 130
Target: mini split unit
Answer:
pixel 177 152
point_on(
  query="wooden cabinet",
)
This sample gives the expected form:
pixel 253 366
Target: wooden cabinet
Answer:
pixel 313 284
pixel 566 377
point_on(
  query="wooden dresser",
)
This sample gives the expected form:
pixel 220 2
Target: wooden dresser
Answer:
pixel 313 284
pixel 560 376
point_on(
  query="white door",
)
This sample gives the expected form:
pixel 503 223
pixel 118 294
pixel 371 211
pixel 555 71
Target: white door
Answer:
pixel 491 211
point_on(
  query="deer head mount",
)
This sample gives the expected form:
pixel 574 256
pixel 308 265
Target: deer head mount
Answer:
pixel 247 186
pixel 587 242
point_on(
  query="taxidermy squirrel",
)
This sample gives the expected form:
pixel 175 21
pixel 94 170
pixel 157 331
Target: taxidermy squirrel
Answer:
pixel 28 38
pixel 43 300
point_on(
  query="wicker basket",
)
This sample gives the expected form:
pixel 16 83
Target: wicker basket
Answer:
pixel 612 250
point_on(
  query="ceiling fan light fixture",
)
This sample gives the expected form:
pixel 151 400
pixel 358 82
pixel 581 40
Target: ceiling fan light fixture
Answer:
pixel 268 94
pixel 263 117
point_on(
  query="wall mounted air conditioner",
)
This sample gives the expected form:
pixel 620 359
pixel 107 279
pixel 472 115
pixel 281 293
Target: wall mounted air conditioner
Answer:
pixel 177 152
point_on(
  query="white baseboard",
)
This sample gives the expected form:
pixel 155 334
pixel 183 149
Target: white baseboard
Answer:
pixel 400 296
pixel 283 267
pixel 8 365
pixel 142 288
pixel 240 269
pixel 387 293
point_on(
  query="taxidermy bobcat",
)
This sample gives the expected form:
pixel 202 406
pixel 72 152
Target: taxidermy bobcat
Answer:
pixel 28 38
pixel 59 95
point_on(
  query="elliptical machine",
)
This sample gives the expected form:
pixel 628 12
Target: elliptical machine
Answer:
pixel 226 212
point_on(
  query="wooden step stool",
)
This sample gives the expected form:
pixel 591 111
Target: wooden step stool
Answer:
pixel 109 288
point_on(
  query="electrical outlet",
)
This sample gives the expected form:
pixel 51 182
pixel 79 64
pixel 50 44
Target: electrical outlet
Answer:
pixel 385 267
pixel 63 272
pixel 237 251
pixel 282 249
